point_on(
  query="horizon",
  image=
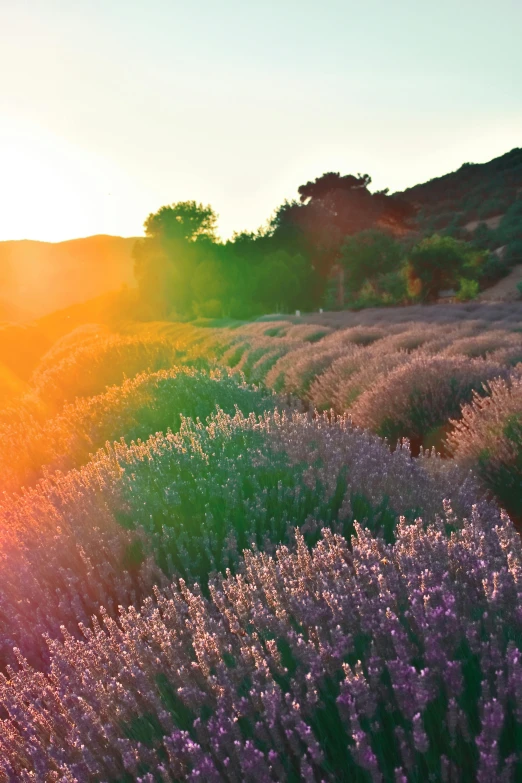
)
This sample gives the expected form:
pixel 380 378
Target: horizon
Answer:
pixel 220 237
pixel 111 111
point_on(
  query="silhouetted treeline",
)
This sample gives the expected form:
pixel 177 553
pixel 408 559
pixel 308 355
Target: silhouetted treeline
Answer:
pixel 183 269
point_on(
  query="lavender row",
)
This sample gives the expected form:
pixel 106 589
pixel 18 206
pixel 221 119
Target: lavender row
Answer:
pixel 370 662
pixel 186 504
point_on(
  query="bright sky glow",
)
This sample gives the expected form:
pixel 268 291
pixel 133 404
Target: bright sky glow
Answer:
pixel 110 109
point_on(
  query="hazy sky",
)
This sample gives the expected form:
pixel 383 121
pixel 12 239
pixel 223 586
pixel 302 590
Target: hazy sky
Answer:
pixel 111 108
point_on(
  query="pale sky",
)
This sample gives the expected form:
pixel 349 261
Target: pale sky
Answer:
pixel 110 109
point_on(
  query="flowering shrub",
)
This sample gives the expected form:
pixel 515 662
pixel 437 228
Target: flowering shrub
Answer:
pixel 376 365
pixel 375 662
pixel 143 405
pixel 482 344
pixel 339 611
pixel 66 345
pixel 488 438
pixel 295 371
pixel 213 490
pixel 326 386
pixel 416 400
pixel 62 555
pixel 191 502
pixel 102 362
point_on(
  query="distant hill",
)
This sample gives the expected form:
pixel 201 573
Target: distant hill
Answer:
pixel 473 201
pixel 37 278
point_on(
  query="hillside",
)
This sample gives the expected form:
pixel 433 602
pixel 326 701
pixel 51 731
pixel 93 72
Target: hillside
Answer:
pixel 37 278
pixel 480 201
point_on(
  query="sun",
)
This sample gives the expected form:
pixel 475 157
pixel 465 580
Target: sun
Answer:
pixel 49 189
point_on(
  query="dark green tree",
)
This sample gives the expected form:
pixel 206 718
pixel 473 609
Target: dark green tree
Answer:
pixel 178 238
pixel 367 256
pixel 438 263
pixel 283 282
pixel 333 207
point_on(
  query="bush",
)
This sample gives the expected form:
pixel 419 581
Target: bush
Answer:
pixel 488 438
pixel 492 340
pixel 394 286
pixel 368 256
pixel 142 406
pixel 378 662
pixel 211 491
pixel 88 369
pixel 210 308
pixel 438 263
pixel 189 503
pixel 416 401
pixel 468 289
pixel 495 267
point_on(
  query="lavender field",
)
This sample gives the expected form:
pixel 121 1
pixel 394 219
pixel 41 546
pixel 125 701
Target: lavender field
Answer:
pixel 274 550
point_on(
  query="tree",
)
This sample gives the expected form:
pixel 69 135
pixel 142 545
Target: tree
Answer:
pixel 283 282
pixel 367 256
pixel 185 220
pixel 178 237
pixel 438 263
pixel 333 207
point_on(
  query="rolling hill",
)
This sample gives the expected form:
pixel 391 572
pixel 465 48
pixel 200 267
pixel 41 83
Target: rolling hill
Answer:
pixel 37 278
pixel 473 201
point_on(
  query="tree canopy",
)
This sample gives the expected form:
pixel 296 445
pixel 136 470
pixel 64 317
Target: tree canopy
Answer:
pixel 182 267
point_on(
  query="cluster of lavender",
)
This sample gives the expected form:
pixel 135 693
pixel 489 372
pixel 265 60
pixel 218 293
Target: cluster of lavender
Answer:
pixel 339 611
pixel 368 662
pixel 204 494
pixel 425 372
pixel 488 439
pixel 354 372
pixel 186 504
pixel 62 555
pixel 296 371
pixel 419 398
pixel 88 368
pixel 31 446
pixel 484 343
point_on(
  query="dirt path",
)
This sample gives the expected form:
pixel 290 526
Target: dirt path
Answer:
pixel 505 290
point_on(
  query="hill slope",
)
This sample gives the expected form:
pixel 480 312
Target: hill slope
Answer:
pixel 37 278
pixel 477 193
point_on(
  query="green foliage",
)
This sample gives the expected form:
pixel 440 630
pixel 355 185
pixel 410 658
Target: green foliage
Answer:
pixel 513 253
pixel 484 237
pixel 283 282
pixel 468 289
pixel 495 266
pixel 440 262
pixel 211 308
pixel 510 228
pixel 185 220
pixel 183 269
pixel 369 255
pixel 394 286
pixel 178 238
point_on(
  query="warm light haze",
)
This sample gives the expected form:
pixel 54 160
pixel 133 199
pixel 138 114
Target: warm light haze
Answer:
pixel 110 109
pixel 260 391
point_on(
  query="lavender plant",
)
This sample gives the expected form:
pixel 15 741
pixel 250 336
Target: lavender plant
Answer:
pixel 214 490
pixel 146 404
pixel 488 438
pixel 416 400
pixel 90 368
pixel 372 662
pixel 186 504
